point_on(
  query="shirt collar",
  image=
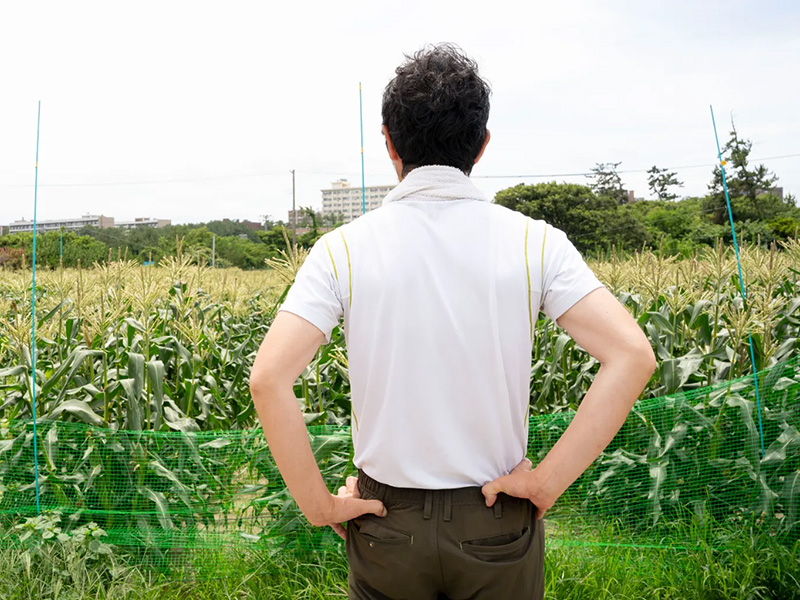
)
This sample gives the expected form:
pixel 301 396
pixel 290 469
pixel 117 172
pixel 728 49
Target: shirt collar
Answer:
pixel 435 183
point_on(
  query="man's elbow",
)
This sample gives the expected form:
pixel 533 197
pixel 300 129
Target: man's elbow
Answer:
pixel 634 357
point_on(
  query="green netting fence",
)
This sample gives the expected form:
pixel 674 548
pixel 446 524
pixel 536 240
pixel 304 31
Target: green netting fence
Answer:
pixel 684 468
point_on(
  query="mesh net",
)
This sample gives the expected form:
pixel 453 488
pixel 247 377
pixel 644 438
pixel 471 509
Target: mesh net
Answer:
pixel 683 468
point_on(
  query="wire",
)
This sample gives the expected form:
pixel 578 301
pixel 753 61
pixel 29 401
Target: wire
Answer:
pixel 624 171
pixel 275 173
pixel 149 181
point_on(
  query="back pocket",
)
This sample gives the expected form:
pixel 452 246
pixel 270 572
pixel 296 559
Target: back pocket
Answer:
pixel 506 547
pixel 378 534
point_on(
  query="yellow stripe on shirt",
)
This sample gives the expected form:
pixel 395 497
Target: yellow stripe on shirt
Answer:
pixel 333 262
pixel 350 288
pixel 349 269
pixel 528 273
pixel 541 273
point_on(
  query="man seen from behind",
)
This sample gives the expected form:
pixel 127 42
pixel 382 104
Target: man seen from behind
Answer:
pixel 440 290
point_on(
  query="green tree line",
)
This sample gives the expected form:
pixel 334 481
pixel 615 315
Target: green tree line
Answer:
pixel 235 245
pixel 600 215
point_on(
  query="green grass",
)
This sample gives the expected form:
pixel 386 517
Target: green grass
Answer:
pixel 748 568
pixel 605 572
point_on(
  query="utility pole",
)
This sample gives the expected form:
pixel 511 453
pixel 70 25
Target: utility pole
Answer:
pixel 361 120
pixel 213 250
pixel 294 215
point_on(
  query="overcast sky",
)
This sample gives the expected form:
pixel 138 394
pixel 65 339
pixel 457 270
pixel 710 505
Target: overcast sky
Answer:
pixel 193 111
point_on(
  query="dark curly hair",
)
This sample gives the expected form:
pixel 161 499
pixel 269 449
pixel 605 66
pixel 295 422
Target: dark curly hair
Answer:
pixel 436 109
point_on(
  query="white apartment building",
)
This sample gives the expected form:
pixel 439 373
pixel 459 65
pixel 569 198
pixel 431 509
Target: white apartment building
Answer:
pixel 98 221
pixel 346 201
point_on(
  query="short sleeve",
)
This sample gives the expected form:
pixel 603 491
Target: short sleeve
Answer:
pixel 566 278
pixel 314 295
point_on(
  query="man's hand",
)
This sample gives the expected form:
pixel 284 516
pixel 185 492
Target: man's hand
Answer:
pixel 347 504
pixel 289 346
pixel 601 325
pixel 349 489
pixel 520 483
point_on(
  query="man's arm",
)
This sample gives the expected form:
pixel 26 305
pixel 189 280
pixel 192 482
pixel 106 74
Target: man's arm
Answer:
pixel 289 346
pixel 602 326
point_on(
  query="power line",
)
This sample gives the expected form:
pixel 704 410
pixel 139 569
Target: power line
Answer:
pixel 624 171
pixel 148 181
pixel 276 173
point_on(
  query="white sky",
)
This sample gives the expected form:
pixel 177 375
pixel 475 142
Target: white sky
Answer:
pixel 223 99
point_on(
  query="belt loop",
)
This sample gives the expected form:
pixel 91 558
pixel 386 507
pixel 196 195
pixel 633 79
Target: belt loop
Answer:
pixel 427 509
pixel 377 488
pixel 382 491
pixel 448 505
pixel 498 509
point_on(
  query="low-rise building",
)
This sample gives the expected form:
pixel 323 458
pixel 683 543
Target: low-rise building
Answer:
pixel 99 221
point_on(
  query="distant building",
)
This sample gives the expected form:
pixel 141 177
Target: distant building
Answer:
pixel 3 229
pixel 299 218
pixel 251 225
pixel 141 222
pixel 777 191
pixel 346 202
pixel 99 221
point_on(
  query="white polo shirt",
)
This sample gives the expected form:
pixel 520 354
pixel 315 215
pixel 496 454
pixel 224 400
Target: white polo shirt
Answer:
pixel 440 290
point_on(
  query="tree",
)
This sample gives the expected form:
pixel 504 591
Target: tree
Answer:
pixel 12 258
pixel 785 227
pixel 275 238
pixel 227 228
pixel 330 219
pixel 676 226
pixel 607 183
pixel 591 222
pixel 239 252
pixel 77 248
pixel 660 180
pixel 311 214
pixel 750 185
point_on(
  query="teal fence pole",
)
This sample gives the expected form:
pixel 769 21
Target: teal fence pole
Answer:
pixel 741 279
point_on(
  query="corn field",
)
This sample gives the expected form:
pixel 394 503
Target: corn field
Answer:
pixel 127 353
pixel 132 347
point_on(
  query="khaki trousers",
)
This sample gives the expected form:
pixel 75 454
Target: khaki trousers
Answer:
pixel 445 545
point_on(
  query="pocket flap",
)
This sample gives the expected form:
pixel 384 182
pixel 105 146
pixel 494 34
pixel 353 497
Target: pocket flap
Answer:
pixel 499 548
pixel 374 531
